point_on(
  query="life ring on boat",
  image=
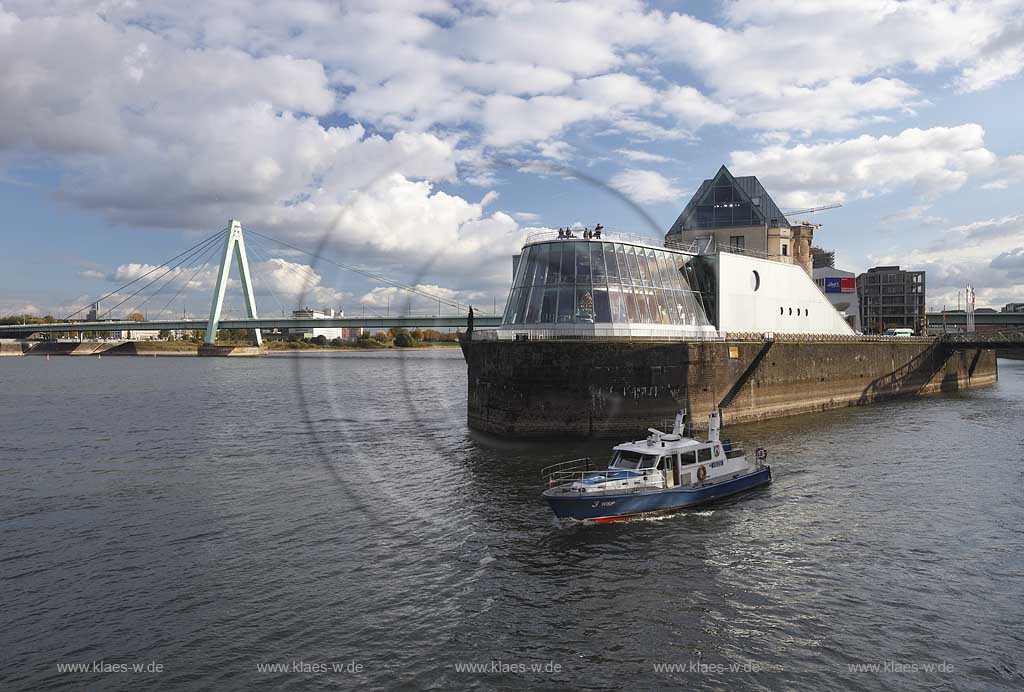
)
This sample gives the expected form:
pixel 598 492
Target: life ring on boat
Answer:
pixel 702 473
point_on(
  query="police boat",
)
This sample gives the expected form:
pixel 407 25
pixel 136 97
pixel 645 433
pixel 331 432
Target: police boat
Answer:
pixel 663 473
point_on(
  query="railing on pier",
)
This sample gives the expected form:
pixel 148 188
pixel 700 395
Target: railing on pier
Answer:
pixel 1002 338
pixel 512 333
pixel 613 236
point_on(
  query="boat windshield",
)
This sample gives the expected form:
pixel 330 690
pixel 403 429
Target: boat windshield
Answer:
pixel 624 459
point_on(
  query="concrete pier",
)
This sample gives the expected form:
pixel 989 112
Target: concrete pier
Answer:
pixel 616 388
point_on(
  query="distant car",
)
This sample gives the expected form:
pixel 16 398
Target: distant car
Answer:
pixel 899 332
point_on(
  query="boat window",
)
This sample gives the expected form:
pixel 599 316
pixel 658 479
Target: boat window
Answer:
pixel 704 454
pixel 632 460
pixel 648 462
pixel 688 458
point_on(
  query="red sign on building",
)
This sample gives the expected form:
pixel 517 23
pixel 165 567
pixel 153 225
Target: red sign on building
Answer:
pixel 848 285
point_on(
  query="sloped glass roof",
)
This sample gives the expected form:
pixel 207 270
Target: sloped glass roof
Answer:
pixel 726 201
pixel 573 282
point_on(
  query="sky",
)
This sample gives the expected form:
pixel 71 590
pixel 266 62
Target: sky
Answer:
pixel 424 141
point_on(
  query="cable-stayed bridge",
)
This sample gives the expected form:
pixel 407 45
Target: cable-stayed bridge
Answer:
pixel 230 244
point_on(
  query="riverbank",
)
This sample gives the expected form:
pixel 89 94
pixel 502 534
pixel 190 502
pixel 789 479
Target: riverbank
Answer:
pixel 189 348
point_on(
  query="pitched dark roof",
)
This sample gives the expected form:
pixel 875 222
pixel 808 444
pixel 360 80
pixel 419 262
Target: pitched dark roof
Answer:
pixel 727 201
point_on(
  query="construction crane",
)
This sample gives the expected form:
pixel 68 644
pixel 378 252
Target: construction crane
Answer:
pixel 810 210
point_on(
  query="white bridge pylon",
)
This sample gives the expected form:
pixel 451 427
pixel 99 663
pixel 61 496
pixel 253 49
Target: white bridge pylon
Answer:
pixel 233 241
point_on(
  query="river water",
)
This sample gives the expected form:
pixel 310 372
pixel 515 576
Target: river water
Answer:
pixel 237 524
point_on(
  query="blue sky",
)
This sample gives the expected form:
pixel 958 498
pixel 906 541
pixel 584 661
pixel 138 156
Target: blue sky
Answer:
pixel 425 140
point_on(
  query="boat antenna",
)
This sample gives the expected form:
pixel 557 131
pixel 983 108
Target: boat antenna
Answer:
pixel 677 427
pixel 714 425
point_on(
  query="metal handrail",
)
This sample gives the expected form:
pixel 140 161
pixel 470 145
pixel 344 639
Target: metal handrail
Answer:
pixel 514 333
pixel 610 236
pixel 547 470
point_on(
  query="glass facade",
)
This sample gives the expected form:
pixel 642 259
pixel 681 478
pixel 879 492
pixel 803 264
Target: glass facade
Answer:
pixel 593 282
pixel 723 206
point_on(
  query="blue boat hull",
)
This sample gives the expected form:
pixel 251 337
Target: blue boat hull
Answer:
pixel 617 507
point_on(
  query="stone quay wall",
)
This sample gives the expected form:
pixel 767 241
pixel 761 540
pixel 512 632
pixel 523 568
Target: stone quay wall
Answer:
pixel 617 388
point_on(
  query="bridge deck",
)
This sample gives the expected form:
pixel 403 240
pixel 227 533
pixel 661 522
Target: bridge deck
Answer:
pixel 428 322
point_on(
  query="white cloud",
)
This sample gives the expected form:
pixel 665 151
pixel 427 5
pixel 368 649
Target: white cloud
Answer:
pixel 916 213
pixel 646 186
pixel 13 307
pixel 823 65
pixel 639 155
pixel 930 162
pixel 397 300
pixel 510 119
pixel 1009 171
pixel 692 109
pixel 1012 262
pixel 985 253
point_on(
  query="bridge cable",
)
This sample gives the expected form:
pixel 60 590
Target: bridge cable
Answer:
pixel 307 276
pixel 139 278
pixel 209 255
pixel 371 275
pixel 176 274
pixel 260 256
pixel 305 273
pixel 210 240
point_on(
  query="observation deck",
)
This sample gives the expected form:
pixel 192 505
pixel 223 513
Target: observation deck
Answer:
pixel 618 285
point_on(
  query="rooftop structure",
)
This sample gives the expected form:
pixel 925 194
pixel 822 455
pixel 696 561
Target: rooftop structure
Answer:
pixel 738 214
pixel 627 287
pixel 821 258
pixel 727 201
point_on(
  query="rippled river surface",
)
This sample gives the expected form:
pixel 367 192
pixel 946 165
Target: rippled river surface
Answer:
pixel 328 521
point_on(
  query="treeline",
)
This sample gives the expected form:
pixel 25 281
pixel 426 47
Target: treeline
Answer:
pixel 27 319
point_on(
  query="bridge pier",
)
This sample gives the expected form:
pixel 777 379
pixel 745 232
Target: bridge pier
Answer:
pixel 220 351
pixel 234 243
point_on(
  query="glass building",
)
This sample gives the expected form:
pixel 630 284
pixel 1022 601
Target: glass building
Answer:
pixel 581 286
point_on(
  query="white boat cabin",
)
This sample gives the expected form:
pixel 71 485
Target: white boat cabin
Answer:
pixel 667 460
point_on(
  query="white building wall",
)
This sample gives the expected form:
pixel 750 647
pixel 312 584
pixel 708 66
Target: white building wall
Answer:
pixel 759 295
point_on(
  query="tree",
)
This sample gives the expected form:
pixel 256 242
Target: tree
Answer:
pixel 320 340
pixel 136 317
pixel 337 342
pixel 404 340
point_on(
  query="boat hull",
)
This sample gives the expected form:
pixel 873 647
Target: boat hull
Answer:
pixel 621 506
